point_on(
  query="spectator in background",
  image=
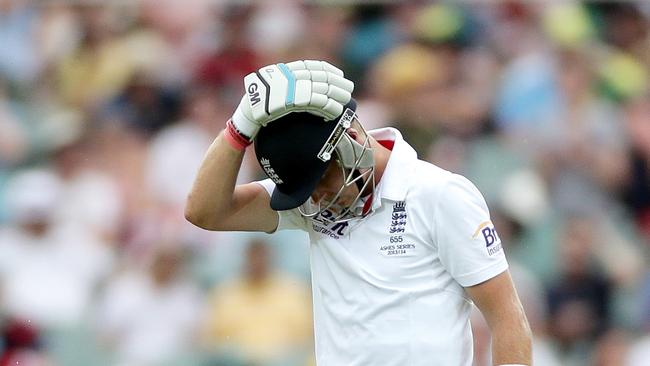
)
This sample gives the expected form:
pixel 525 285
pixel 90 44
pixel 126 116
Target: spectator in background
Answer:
pixel 100 66
pixel 582 150
pixel 231 58
pixel 611 349
pixel 145 105
pixel 639 351
pixel 21 344
pixel 89 198
pixel 637 190
pixel 373 31
pixel 121 154
pixel 14 143
pixel 400 78
pixel 275 27
pixel 180 33
pixel 170 158
pixel 262 318
pixel 48 271
pixel 328 28
pixel 151 317
pixel 20 61
pixel 623 26
pixel 579 299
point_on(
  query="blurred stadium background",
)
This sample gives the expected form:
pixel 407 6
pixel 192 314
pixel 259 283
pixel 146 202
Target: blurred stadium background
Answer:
pixel 106 109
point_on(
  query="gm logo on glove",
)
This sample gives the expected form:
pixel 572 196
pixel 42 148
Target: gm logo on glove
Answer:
pixel 253 94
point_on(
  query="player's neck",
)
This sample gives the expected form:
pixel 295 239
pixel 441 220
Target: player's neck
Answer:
pixel 381 155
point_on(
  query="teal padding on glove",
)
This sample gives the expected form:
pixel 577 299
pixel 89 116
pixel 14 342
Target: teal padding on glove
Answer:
pixel 291 93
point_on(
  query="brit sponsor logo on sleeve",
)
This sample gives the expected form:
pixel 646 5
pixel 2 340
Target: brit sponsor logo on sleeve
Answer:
pixel 488 232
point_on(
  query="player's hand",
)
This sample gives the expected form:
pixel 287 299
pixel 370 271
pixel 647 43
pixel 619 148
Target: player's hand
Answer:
pixel 275 90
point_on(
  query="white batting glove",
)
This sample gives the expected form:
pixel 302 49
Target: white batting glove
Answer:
pixel 275 90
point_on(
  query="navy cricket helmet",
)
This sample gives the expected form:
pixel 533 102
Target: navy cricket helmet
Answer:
pixel 295 151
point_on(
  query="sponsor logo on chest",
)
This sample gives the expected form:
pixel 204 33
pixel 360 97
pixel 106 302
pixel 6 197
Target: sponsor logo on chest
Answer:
pixel 333 230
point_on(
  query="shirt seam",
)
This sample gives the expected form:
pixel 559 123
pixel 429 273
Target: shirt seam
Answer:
pixel 436 205
pixel 483 269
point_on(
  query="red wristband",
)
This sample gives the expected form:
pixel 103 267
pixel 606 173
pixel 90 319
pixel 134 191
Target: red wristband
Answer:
pixel 234 137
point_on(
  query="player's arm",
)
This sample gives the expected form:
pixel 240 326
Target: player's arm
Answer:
pixel 217 203
pixel 470 249
pixel 497 300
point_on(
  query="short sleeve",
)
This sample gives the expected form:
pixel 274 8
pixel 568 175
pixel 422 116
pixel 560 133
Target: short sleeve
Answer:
pixel 289 219
pixel 468 244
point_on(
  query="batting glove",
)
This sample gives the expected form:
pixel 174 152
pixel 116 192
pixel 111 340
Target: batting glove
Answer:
pixel 275 90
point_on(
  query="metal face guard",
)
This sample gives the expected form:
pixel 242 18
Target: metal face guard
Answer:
pixel 357 166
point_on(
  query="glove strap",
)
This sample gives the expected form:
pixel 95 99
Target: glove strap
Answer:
pixel 235 138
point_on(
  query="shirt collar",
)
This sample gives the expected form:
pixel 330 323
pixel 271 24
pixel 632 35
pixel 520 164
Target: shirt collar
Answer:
pixel 395 180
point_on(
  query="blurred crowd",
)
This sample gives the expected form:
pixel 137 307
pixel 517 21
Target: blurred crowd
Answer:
pixel 106 110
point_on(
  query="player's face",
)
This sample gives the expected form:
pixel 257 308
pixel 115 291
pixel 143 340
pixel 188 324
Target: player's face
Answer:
pixel 330 185
pixel 339 196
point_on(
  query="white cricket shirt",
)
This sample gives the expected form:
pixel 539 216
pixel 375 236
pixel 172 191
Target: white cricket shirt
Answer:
pixel 388 291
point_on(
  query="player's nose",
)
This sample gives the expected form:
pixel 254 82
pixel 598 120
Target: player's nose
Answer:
pixel 321 194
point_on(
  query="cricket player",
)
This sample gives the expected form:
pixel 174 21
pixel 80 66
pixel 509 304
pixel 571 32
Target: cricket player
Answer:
pixel 400 249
